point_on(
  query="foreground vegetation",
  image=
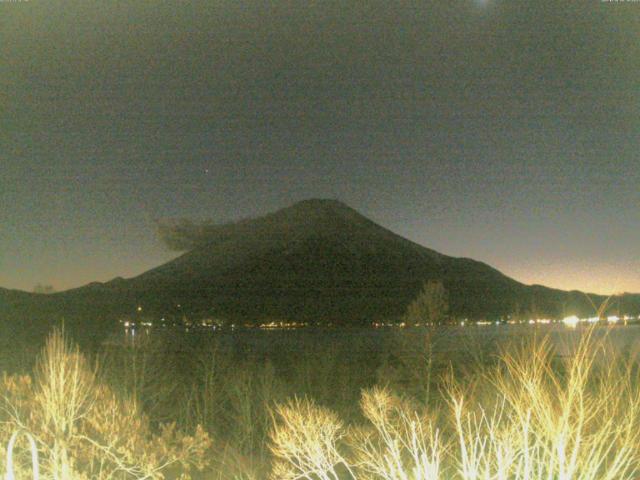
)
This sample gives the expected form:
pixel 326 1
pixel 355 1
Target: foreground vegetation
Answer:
pixel 406 407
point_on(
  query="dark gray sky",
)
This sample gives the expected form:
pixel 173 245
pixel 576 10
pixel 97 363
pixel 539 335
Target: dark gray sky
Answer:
pixel 503 130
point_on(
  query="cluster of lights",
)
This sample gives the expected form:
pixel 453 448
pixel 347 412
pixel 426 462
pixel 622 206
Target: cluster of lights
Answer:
pixel 281 325
pixel 400 325
pixel 128 324
pixel 570 321
pixel 573 320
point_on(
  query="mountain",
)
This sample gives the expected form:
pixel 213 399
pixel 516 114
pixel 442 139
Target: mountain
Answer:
pixel 316 261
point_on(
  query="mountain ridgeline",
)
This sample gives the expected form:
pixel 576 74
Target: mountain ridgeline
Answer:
pixel 318 261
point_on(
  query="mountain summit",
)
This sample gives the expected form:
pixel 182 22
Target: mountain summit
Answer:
pixel 317 261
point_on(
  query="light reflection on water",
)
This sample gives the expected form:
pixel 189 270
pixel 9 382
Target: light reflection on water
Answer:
pixel 443 339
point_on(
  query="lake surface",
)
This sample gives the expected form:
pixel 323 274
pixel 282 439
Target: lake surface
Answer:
pixel 348 344
pixel 442 339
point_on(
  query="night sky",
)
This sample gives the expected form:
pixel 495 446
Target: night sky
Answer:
pixel 503 130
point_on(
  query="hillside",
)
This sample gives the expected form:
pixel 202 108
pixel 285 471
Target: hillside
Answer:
pixel 317 261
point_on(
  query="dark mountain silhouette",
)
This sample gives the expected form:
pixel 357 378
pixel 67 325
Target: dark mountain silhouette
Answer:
pixel 316 261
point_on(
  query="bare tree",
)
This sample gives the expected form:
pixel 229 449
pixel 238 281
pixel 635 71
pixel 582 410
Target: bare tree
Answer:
pixel 430 306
